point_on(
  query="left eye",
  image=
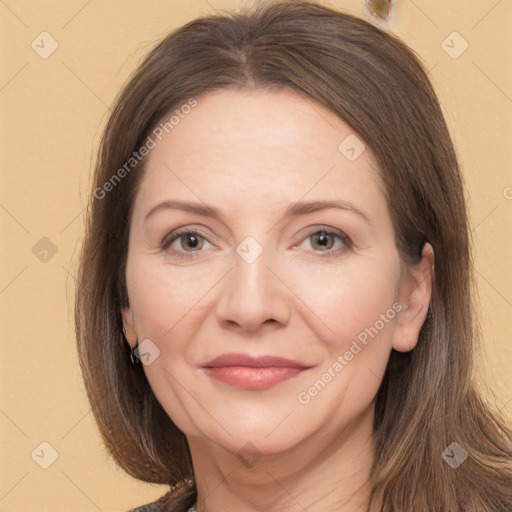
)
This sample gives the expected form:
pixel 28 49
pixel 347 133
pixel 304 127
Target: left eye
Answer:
pixel 323 240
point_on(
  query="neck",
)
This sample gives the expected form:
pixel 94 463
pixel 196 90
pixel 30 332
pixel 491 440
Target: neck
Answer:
pixel 328 471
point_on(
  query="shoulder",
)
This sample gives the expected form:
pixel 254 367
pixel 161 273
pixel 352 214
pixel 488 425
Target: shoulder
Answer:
pixel 155 506
pixel 178 500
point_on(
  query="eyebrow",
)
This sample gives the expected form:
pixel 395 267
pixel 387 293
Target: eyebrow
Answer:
pixel 294 210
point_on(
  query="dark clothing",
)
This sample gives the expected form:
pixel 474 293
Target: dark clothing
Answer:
pixel 178 500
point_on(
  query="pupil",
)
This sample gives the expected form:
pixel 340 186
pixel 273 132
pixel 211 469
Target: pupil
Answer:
pixel 323 238
pixel 191 240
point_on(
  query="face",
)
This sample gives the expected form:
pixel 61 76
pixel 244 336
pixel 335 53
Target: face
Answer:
pixel 267 315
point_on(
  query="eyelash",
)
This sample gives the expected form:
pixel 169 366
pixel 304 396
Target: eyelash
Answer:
pixel 171 237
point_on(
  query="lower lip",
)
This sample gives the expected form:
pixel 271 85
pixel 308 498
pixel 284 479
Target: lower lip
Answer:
pixel 255 379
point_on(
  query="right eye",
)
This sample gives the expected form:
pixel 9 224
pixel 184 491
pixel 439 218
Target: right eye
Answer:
pixel 190 241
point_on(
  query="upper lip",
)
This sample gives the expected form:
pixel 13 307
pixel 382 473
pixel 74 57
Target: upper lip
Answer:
pixel 252 361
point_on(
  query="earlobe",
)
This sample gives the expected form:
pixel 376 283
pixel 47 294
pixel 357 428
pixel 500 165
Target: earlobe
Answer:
pixel 129 327
pixel 415 294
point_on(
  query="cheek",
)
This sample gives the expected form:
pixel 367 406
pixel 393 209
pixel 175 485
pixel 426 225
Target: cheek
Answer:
pixel 340 299
pixel 164 298
pixel 349 298
pixel 356 303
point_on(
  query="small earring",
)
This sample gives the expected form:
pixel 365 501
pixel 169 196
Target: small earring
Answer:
pixel 134 360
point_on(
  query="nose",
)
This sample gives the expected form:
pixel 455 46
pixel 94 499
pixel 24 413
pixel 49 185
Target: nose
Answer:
pixel 253 294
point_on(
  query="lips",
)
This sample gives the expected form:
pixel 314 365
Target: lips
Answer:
pixel 251 372
pixel 258 361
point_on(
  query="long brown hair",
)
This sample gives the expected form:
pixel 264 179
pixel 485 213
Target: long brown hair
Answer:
pixel 428 398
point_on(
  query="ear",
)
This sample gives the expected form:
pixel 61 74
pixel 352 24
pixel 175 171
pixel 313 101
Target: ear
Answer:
pixel 129 326
pixel 414 296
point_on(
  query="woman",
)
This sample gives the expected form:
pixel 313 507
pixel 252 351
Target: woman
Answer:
pixel 223 352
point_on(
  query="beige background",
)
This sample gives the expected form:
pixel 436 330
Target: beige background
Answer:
pixel 52 111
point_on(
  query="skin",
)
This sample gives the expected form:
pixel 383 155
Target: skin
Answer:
pixel 251 154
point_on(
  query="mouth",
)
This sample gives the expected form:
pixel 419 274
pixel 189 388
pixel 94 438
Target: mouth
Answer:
pixel 254 373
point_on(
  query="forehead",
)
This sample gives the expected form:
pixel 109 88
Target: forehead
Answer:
pixel 246 149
